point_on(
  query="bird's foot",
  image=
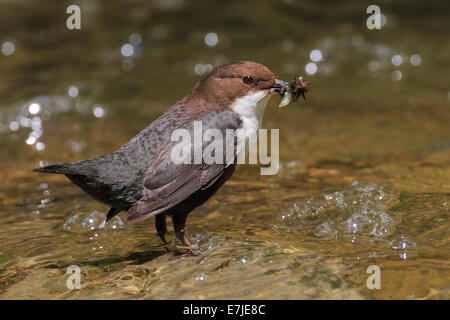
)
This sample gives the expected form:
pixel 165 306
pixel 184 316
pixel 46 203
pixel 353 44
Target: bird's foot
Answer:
pixel 187 249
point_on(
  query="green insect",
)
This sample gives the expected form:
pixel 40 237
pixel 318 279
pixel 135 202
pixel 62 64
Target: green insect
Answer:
pixel 286 100
pixel 294 90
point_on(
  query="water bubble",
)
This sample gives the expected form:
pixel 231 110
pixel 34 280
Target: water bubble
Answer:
pixel 311 68
pixel 36 123
pixel 359 209
pixel 326 230
pixel 374 66
pixel 73 91
pixel 201 69
pixel 75 146
pixel 44 203
pixel 8 48
pixel 43 186
pixel 415 60
pixel 200 277
pixel 82 222
pixel 98 111
pixel 396 75
pixel 205 243
pixel 36 134
pixel 402 242
pixel 116 224
pixel 30 140
pixel 196 239
pixel 14 126
pixel 381 50
pixel 397 60
pixel 127 50
pixel 372 218
pixel 315 55
pixel 211 39
pixel 24 121
pixel 40 146
pixel 42 163
pixel 34 108
pixel 242 259
pixel 293 163
pixel 135 39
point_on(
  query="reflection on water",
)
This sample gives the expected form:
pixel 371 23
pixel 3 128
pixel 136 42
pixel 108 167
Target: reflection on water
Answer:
pixel 365 162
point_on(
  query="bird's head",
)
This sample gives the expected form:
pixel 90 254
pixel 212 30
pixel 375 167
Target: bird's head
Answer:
pixel 237 80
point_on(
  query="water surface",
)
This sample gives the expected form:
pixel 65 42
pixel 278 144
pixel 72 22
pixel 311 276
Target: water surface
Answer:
pixel 365 176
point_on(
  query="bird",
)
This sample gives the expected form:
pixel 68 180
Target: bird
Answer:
pixel 141 176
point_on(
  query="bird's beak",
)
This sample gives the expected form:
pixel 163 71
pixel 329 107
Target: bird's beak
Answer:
pixel 280 87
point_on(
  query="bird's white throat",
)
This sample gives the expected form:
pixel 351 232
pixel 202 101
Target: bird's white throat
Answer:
pixel 250 109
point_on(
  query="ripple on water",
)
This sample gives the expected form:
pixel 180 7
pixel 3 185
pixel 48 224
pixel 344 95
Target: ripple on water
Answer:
pixel 360 209
pixel 205 243
pixel 402 242
pixel 82 222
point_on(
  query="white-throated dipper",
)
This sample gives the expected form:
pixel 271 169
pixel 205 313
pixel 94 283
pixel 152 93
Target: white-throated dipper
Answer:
pixel 141 177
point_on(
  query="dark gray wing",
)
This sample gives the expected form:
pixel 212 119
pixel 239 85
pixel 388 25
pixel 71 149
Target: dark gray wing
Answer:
pixel 166 183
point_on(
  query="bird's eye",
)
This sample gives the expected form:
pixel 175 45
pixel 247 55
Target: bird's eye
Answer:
pixel 247 80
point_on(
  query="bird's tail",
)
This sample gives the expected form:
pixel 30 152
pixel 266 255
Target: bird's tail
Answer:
pixel 56 168
pixel 74 168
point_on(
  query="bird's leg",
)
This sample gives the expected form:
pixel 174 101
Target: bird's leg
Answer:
pixel 161 227
pixel 179 225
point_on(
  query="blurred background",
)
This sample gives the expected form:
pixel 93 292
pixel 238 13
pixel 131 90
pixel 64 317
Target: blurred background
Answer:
pixel 365 176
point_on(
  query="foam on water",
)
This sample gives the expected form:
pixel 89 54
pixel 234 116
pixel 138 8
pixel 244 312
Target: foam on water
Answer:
pixel 81 222
pixel 206 242
pixel 360 209
pixel 402 242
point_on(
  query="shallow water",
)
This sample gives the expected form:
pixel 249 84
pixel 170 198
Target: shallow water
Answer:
pixel 365 175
